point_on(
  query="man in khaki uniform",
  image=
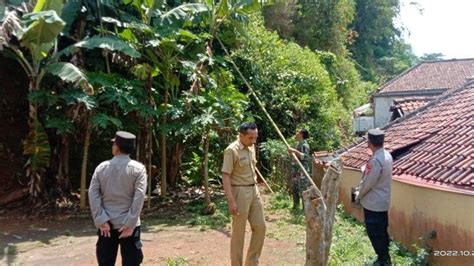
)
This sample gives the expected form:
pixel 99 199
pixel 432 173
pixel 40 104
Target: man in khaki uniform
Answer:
pixel 240 185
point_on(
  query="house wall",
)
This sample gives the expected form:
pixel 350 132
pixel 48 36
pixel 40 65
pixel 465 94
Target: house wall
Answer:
pixel 416 211
pixel 382 110
pixel 362 123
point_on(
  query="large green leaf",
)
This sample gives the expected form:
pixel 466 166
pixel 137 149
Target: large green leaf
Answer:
pixel 67 72
pixel 181 12
pixel 61 123
pixel 44 5
pixel 108 43
pixel 42 27
pixel 69 13
pixel 102 121
pixel 223 9
pixel 72 96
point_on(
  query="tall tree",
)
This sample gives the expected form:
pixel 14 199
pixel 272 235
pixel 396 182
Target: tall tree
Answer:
pixel 323 25
pixel 30 36
pixel 378 48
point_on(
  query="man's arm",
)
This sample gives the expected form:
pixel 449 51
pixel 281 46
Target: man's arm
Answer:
pixel 304 154
pixel 138 199
pixel 228 192
pixel 227 168
pixel 99 215
pixel 371 175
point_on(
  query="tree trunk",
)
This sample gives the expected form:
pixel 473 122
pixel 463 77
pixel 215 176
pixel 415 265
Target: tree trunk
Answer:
pixel 314 213
pixel 150 174
pixel 163 151
pixel 35 183
pixel 331 196
pixel 163 161
pixel 14 196
pixel 59 161
pixel 320 220
pixel 64 166
pixel 174 164
pixel 85 156
pixel 206 140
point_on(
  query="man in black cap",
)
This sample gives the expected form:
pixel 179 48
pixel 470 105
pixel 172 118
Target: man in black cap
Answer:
pixel 374 195
pixel 116 196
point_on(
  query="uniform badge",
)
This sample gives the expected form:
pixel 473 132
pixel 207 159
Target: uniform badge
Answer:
pixel 368 168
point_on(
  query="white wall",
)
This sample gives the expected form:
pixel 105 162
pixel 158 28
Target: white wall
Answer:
pixel 382 110
pixel 362 123
pixel 416 210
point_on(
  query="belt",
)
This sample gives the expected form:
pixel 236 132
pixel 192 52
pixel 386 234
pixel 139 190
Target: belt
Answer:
pixel 249 185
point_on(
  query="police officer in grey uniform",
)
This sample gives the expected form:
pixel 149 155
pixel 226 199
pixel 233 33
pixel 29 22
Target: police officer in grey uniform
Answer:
pixel 116 196
pixel 374 195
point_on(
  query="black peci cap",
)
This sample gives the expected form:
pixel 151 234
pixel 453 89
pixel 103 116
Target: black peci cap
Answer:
pixel 376 136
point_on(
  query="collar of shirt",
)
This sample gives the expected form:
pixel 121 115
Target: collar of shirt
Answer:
pixel 121 157
pixel 242 146
pixel 380 150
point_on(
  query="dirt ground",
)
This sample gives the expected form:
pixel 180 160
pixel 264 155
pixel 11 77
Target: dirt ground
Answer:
pixel 71 241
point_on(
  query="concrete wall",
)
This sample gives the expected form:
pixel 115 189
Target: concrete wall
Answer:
pixel 382 110
pixel 362 124
pixel 416 211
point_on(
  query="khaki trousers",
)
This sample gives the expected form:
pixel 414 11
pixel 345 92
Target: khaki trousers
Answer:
pixel 250 208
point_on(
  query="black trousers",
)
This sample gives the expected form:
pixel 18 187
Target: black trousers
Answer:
pixel 376 224
pixel 130 248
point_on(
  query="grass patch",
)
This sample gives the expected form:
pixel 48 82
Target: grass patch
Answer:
pixel 219 219
pixel 289 223
pixel 350 243
pixel 178 261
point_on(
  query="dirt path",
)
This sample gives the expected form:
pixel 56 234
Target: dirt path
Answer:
pixel 72 242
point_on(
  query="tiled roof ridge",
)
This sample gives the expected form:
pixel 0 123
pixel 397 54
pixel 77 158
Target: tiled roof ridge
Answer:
pixel 435 101
pixel 419 111
pixel 396 78
pixel 415 67
pixel 411 99
pixel 412 93
pixel 447 60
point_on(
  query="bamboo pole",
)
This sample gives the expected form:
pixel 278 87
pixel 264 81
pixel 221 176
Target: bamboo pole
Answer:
pixel 260 104
pixel 264 181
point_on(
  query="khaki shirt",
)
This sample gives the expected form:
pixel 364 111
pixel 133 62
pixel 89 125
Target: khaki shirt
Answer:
pixel 240 162
pixel 117 192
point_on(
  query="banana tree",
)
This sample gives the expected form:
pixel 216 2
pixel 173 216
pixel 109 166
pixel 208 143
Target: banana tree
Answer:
pixel 30 37
pixel 160 42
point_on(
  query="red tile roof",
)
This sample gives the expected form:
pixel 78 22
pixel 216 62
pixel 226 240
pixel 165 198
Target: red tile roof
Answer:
pixel 410 104
pixel 431 75
pixel 433 146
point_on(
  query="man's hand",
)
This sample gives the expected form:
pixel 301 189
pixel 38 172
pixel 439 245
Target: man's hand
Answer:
pixel 292 150
pixel 322 163
pixel 233 208
pixel 105 229
pixel 125 231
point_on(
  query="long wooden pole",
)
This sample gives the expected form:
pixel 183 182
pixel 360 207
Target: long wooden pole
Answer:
pixel 260 104
pixel 264 181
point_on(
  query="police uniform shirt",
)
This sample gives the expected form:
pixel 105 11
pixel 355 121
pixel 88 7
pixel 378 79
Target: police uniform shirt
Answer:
pixel 117 192
pixel 375 187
